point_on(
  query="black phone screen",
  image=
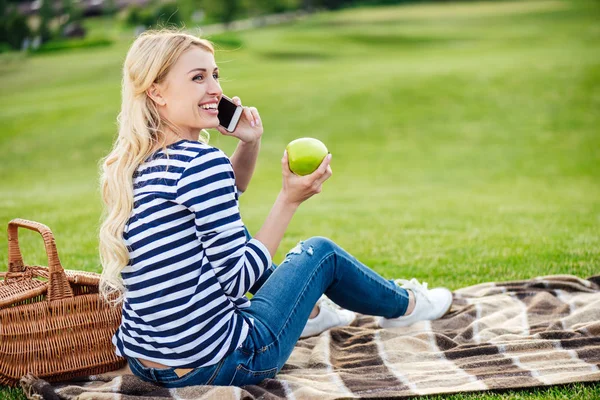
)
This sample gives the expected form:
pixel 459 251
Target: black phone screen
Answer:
pixel 226 111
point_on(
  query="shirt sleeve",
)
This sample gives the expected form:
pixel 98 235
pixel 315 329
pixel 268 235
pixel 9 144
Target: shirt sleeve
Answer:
pixel 207 188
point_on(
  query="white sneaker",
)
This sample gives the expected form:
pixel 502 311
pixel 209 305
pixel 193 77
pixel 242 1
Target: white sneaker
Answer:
pixel 330 316
pixel 429 304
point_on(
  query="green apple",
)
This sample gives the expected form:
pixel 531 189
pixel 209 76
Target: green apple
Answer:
pixel 305 155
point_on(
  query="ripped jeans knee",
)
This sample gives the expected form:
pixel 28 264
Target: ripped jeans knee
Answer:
pixel 315 246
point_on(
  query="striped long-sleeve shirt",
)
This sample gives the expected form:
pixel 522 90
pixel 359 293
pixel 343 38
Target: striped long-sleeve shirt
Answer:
pixel 190 261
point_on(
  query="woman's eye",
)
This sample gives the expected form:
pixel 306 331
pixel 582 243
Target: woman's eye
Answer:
pixel 215 76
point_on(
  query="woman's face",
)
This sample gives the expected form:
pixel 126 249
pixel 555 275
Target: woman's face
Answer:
pixel 190 93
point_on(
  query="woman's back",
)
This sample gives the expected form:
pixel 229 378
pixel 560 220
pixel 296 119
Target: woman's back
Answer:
pixel 190 262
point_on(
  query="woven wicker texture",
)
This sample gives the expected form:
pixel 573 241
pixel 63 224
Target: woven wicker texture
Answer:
pixel 53 322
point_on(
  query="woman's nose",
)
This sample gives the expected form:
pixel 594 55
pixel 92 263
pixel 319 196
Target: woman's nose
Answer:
pixel 214 88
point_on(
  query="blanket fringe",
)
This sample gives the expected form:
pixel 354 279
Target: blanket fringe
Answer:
pixel 26 383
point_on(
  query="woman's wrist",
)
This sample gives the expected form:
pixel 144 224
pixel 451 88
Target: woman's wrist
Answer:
pixel 286 201
pixel 251 143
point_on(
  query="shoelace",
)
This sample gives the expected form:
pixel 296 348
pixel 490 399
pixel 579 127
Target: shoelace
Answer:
pixel 415 286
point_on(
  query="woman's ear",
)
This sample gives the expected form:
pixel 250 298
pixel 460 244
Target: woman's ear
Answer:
pixel 154 93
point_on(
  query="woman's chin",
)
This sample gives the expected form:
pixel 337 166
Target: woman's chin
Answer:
pixel 210 124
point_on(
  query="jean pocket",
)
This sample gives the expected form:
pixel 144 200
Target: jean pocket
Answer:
pixel 149 373
pixel 169 378
pixel 244 376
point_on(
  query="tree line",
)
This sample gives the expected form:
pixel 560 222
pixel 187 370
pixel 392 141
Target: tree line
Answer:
pixel 55 18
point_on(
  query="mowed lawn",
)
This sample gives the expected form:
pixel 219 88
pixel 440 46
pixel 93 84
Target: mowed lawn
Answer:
pixel 465 140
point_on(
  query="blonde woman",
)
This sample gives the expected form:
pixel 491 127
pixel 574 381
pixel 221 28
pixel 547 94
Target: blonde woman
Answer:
pixel 175 251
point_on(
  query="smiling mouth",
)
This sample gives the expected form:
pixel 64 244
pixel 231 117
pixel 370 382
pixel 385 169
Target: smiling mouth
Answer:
pixel 209 109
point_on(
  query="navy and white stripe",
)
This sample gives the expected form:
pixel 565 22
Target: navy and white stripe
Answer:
pixel 190 261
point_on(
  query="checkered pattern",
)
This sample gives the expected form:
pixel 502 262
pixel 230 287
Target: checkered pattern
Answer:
pixel 533 333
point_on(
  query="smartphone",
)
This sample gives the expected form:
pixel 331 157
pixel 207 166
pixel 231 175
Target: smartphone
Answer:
pixel 229 114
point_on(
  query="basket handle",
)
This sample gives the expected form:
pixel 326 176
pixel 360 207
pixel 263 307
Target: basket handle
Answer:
pixel 58 284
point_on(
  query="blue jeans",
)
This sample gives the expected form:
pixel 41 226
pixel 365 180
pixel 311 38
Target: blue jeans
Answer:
pixel 284 298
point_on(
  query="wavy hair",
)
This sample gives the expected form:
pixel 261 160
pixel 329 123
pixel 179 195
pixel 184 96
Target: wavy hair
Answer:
pixel 140 131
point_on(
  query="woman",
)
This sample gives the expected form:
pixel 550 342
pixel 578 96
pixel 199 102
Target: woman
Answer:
pixel 174 248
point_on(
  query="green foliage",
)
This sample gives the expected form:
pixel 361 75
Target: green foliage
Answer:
pixel 136 15
pixel 168 14
pixel 276 6
pixel 74 14
pixel 13 30
pixel 110 7
pixel 4 12
pixel 226 40
pixel 332 4
pixel 187 7
pixel 46 15
pixel 225 11
pixel 13 27
pixel 73 10
pixel 56 45
pixel 161 14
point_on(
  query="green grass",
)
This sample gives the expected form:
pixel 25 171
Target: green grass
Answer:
pixel 465 140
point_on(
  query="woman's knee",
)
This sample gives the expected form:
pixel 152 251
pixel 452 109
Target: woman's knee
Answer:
pixel 320 244
pixel 315 244
pixel 312 249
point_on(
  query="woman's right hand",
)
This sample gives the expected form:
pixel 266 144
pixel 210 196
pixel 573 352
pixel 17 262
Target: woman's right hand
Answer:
pixel 297 189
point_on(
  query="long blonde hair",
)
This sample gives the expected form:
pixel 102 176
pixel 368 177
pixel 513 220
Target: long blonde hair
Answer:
pixel 141 130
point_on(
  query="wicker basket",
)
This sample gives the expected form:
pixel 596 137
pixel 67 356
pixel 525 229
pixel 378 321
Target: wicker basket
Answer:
pixel 53 323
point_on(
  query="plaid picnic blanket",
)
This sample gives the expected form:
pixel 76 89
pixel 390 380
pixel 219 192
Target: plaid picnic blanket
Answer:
pixel 538 332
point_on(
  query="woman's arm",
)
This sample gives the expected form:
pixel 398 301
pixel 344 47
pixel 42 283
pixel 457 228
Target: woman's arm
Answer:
pixel 249 131
pixel 207 188
pixel 276 223
pixel 296 189
pixel 243 161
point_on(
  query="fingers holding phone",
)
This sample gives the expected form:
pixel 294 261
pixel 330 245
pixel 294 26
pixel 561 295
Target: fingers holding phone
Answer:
pixel 238 121
pixel 230 112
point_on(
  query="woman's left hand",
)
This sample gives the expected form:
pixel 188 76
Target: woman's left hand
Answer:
pixel 249 129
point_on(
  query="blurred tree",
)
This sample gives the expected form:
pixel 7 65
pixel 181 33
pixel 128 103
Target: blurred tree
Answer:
pixel 3 10
pixel 3 19
pixel 109 7
pixel 308 5
pixel 135 15
pixel 73 10
pixel 161 14
pixel 13 28
pixel 132 15
pixel 276 6
pixel 332 4
pixel 74 15
pixel 225 10
pixel 188 7
pixel 46 15
pixel 168 14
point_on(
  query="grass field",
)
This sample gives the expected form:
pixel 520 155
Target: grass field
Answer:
pixel 465 140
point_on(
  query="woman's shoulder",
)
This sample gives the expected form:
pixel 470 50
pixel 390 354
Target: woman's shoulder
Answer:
pixel 196 149
pixel 176 158
pixel 185 151
pixel 207 166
